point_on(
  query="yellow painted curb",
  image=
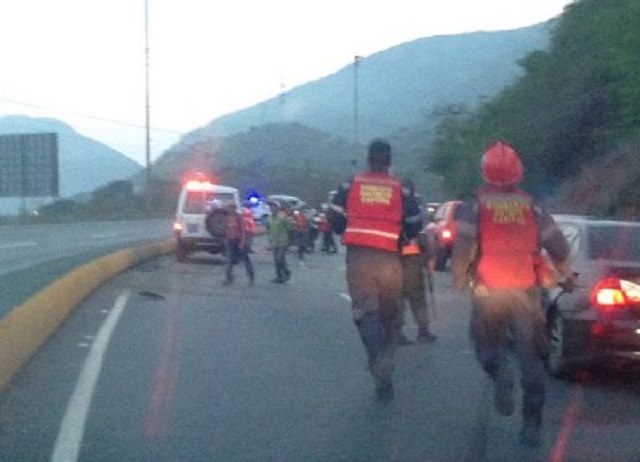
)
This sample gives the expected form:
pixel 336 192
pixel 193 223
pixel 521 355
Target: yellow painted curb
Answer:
pixel 28 326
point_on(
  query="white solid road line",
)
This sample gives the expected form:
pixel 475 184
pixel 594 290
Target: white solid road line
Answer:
pixel 18 245
pixel 69 438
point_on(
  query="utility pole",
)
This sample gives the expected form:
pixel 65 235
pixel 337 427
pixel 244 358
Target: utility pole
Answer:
pixel 355 140
pixel 147 99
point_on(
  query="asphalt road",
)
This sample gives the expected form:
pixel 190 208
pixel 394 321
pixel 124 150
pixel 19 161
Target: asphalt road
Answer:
pixel 164 363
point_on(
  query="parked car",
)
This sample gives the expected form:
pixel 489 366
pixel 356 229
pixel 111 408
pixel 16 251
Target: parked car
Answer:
pixel 598 323
pixel 441 232
pixel 287 201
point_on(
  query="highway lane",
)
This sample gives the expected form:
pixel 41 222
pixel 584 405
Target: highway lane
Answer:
pixel 32 256
pixel 23 246
pixel 184 368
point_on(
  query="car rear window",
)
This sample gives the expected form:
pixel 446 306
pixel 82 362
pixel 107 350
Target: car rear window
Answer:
pixel 613 242
pixel 196 201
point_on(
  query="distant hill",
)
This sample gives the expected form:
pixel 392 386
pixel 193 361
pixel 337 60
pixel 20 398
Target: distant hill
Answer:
pixel 398 87
pixel 84 164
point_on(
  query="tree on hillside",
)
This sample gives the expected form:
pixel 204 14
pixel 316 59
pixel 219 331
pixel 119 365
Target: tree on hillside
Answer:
pixel 573 104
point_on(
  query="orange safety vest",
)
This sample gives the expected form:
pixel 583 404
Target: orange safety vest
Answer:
pixel 323 224
pixel 249 221
pixel 374 212
pixel 508 239
pixel 411 248
pixel 300 221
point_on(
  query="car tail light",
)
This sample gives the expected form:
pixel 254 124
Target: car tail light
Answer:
pixel 447 235
pixel 611 293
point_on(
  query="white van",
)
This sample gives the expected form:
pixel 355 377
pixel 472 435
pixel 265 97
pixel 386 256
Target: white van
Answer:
pixel 189 227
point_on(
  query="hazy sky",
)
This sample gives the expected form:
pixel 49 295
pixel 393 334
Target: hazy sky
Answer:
pixel 83 61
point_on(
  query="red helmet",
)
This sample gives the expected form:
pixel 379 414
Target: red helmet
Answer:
pixel 501 165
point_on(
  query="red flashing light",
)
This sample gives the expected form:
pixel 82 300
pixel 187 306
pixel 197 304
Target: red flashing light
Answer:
pixel 611 293
pixel 198 185
pixel 447 235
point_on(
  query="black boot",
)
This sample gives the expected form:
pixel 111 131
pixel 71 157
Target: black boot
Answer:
pixel 425 335
pixel 374 339
pixel 530 433
pixel 503 391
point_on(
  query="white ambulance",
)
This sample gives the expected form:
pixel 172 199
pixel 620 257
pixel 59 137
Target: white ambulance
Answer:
pixel 189 228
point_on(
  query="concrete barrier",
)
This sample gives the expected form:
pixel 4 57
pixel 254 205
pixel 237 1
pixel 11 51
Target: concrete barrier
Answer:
pixel 28 326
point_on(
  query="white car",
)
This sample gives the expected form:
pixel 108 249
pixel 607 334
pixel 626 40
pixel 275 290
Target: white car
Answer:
pixel 287 201
pixel 189 228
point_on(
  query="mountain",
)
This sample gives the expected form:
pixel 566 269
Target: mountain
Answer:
pixel 303 140
pixel 84 164
pixel 396 88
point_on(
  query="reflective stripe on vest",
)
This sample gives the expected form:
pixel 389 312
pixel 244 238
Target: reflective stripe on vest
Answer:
pixel 374 212
pixel 508 239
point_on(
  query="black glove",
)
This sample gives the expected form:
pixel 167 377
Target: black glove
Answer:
pixel 569 283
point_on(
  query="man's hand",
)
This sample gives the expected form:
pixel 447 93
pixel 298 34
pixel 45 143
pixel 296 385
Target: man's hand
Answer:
pixel 569 283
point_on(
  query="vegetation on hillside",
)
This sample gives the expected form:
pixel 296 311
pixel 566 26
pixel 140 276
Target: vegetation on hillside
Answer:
pixel 575 111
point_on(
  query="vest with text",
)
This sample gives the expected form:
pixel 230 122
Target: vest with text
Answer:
pixel 508 239
pixel 374 212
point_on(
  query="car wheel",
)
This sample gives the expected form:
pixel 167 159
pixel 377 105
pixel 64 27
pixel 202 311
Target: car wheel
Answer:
pixel 567 342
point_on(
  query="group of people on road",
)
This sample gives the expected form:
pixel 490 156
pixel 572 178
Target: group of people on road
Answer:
pixel 286 229
pixel 502 232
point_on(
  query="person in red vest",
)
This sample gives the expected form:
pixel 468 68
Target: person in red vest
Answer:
pixel 324 227
pixel 300 232
pixel 501 232
pixel 235 244
pixel 371 211
pixel 249 228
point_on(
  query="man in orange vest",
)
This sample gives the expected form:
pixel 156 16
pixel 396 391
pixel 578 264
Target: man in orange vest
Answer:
pixel 501 232
pixel 417 256
pixel 371 211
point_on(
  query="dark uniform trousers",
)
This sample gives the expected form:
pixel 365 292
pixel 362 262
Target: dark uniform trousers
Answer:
pixel 374 280
pixel 413 288
pixel 518 311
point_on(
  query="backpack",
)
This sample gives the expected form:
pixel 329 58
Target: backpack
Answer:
pixel 216 223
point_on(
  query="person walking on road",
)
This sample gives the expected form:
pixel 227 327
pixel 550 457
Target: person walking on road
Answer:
pixel 279 229
pixel 236 244
pixel 371 211
pixel 501 232
pixel 417 257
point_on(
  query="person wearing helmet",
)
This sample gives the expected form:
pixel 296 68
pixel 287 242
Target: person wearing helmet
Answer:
pixel 371 212
pixel 501 233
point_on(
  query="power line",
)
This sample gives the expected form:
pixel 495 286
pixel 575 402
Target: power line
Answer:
pixel 91 117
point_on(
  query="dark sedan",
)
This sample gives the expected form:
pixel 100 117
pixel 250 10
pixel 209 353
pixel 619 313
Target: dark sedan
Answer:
pixel 598 323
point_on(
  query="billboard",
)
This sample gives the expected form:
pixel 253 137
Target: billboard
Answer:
pixel 29 165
